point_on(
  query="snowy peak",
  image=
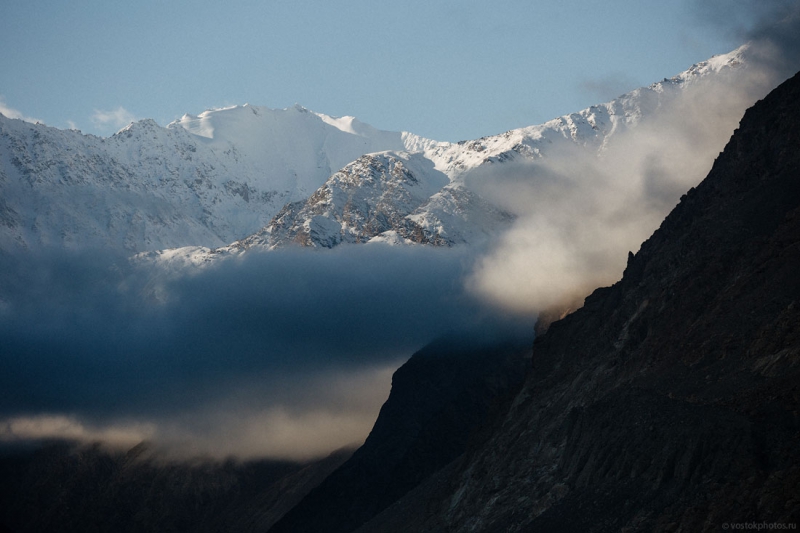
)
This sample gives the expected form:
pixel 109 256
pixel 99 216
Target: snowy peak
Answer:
pixel 297 148
pixel 457 213
pixel 715 64
pixel 238 124
pixel 204 180
pixel 348 124
pixel 144 124
pixel 287 175
pixel 369 196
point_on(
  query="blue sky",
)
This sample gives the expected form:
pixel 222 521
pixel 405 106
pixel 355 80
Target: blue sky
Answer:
pixel 449 70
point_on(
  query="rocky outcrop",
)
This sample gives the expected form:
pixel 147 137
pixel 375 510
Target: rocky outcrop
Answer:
pixel 369 196
pixel 669 401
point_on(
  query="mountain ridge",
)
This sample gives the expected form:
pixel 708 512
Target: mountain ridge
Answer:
pixel 221 177
pixel 459 213
pixel 148 188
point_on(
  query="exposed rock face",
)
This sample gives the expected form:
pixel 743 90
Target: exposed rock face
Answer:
pixel 58 488
pixel 670 401
pixel 367 197
pixel 437 398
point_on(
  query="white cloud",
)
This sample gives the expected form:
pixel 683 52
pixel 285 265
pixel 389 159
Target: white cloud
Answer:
pixel 46 426
pixel 117 118
pixel 580 213
pixel 13 113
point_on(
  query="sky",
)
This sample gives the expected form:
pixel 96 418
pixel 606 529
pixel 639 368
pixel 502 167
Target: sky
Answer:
pixel 444 69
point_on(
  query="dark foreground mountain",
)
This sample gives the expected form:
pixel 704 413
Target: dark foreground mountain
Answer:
pixel 62 488
pixel 670 401
pixel 438 397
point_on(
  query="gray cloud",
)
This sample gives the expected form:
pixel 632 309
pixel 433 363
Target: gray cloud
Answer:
pixel 607 87
pixel 772 25
pixel 250 356
pixel 741 20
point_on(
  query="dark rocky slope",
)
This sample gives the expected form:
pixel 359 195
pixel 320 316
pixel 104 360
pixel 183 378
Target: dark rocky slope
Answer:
pixel 438 397
pixel 671 400
pixel 60 488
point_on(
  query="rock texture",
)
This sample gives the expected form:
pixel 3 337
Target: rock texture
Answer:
pixel 671 400
pixel 437 398
pixel 369 196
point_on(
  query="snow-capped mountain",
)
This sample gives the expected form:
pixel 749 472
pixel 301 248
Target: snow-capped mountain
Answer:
pixel 205 180
pixel 372 195
pixel 370 200
pixel 264 178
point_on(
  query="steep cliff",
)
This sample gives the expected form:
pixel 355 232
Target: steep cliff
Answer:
pixel 438 397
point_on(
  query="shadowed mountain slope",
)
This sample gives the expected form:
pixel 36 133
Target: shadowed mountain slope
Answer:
pixel 438 397
pixel 59 487
pixel 669 401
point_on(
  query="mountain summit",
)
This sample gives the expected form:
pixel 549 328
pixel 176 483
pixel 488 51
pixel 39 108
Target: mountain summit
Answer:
pixel 204 181
pixel 267 178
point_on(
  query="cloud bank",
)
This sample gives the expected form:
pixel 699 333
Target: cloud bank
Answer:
pixel 286 354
